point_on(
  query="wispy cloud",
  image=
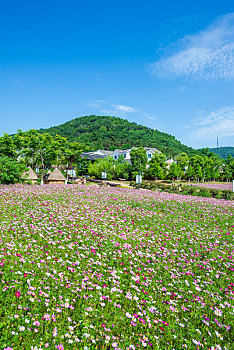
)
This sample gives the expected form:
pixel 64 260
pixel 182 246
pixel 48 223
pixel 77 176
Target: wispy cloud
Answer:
pixel 207 55
pixel 123 108
pixel 119 110
pixel 149 116
pixel 217 123
pixel 95 103
pixel 106 107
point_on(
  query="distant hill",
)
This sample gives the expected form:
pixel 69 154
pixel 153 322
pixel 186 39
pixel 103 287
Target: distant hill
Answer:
pixel 223 152
pixel 102 132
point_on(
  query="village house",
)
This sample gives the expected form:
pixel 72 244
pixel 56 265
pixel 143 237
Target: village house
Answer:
pixel 126 153
pixel 100 154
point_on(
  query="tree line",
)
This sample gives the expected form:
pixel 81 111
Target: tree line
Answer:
pixel 42 150
pixel 37 150
pixel 205 167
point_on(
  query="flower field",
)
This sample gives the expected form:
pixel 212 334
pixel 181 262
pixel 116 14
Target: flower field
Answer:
pixel 102 268
pixel 215 186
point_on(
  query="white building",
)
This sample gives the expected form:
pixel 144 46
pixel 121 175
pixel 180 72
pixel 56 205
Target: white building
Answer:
pixel 99 154
pixel 126 153
pixel 117 153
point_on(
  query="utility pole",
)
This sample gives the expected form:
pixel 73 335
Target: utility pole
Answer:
pixel 217 142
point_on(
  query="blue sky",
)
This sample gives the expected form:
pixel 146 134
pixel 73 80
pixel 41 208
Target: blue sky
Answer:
pixel 168 65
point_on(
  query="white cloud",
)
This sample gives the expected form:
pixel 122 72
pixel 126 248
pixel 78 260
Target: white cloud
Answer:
pixel 104 107
pixel 207 55
pixel 217 123
pixel 122 108
pixel 109 108
pixel 149 116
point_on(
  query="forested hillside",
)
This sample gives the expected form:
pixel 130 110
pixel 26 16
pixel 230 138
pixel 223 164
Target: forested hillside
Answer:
pixel 223 152
pixel 102 132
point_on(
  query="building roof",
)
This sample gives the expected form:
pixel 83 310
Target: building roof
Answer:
pixel 107 153
pixel 152 149
pixel 92 155
pixel 99 154
pixel 56 175
pixel 29 175
pixel 96 154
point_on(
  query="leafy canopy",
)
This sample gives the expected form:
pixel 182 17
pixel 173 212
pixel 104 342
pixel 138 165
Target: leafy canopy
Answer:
pixel 10 170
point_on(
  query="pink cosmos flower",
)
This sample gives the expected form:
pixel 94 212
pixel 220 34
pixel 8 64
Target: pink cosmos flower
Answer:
pixel 59 347
pixel 17 294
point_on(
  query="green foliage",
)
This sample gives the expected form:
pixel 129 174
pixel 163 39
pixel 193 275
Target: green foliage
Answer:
pixel 115 168
pixel 10 170
pixel 73 151
pixel 82 166
pixel 223 152
pixel 43 149
pixel 157 166
pixel 7 146
pixel 100 165
pixel 197 163
pixel 174 171
pixel 102 132
pixel 182 160
pixel 122 168
pixel 138 160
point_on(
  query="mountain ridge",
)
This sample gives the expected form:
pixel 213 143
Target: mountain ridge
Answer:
pixel 223 152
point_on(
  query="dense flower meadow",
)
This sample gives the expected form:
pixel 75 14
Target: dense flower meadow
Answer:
pixel 214 185
pixel 102 268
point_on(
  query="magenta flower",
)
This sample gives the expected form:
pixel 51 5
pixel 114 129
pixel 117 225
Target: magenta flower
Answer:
pixel 59 347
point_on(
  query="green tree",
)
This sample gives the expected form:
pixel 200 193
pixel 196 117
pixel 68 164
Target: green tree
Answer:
pixel 121 168
pixel 216 167
pixel 157 166
pixel 229 168
pixel 182 160
pixel 138 160
pixel 72 152
pixel 197 163
pixel 189 172
pixel 39 149
pixel 207 167
pixel 10 170
pixel 156 171
pixel 100 165
pixel 7 146
pixel 82 166
pixel 174 171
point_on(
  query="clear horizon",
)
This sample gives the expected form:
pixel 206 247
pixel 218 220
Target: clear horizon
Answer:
pixel 168 66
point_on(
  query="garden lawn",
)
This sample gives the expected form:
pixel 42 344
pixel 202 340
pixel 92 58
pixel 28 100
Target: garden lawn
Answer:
pixel 103 268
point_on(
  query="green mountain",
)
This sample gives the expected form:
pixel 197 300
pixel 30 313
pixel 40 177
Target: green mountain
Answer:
pixel 102 132
pixel 223 152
